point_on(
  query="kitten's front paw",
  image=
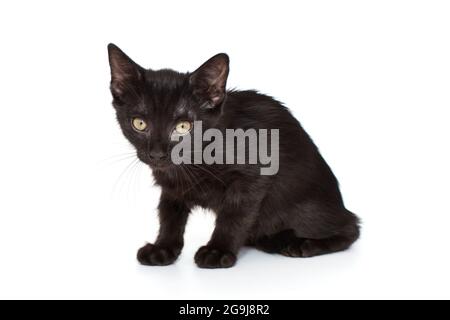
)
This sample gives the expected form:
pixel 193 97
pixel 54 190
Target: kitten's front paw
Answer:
pixel 209 257
pixel 154 255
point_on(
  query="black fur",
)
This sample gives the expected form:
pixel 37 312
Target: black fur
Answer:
pixel 298 212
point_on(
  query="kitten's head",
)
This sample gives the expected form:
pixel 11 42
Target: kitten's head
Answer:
pixel 154 105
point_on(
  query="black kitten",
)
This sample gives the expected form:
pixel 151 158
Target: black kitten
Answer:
pixel 297 212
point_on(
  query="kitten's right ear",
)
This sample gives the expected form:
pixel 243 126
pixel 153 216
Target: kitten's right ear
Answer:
pixel 125 73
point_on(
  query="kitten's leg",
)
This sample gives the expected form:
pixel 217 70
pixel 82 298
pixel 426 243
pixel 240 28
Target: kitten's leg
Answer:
pixel 233 223
pixel 228 237
pixel 276 243
pixel 315 247
pixel 288 244
pixel 173 217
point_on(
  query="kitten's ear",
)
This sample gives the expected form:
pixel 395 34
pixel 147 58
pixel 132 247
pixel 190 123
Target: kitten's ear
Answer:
pixel 209 81
pixel 125 73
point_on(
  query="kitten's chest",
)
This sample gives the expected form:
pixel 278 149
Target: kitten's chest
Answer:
pixel 200 196
pixel 205 195
pixel 195 189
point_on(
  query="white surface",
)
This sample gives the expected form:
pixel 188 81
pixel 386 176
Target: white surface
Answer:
pixel 368 80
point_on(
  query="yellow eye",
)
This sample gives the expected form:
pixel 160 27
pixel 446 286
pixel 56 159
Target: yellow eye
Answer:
pixel 183 127
pixel 139 124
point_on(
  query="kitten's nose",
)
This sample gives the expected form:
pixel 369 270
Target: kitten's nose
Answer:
pixel 157 155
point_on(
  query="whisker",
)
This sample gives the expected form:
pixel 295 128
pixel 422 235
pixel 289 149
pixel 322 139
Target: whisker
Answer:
pixel 122 175
pixel 197 181
pixel 209 172
pixel 117 158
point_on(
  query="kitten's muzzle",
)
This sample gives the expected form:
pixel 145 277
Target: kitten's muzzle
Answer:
pixel 156 159
pixel 157 155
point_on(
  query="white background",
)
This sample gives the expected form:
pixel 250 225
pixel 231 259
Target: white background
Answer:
pixel 369 80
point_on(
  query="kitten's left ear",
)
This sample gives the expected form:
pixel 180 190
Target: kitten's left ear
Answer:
pixel 209 81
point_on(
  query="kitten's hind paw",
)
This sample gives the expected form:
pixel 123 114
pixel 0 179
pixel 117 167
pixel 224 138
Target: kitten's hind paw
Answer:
pixel 210 258
pixel 154 255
